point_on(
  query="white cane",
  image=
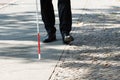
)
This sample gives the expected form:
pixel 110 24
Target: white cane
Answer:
pixel 38 31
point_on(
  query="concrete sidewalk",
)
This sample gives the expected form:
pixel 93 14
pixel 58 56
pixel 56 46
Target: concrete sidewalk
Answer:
pixel 18 44
pixel 18 40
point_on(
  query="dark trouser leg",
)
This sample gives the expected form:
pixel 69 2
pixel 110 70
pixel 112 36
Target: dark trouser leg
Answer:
pixel 64 7
pixel 65 16
pixel 48 16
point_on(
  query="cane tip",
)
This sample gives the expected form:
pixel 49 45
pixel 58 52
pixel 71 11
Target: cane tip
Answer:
pixel 39 56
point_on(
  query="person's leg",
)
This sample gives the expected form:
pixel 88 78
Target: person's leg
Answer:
pixel 65 17
pixel 48 18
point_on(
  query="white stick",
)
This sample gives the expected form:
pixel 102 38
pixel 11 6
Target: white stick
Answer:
pixel 37 16
pixel 38 33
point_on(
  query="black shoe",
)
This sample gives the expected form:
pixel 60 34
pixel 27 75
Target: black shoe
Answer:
pixel 67 38
pixel 50 38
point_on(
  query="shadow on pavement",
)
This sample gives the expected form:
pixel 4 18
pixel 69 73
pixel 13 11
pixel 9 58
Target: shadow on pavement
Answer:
pixel 22 27
pixel 96 47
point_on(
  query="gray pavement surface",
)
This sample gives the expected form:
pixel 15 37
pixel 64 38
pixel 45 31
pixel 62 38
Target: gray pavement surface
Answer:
pixel 18 38
pixel 95 52
pixel 18 44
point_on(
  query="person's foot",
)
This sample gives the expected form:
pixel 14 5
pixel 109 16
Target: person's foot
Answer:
pixel 50 38
pixel 67 38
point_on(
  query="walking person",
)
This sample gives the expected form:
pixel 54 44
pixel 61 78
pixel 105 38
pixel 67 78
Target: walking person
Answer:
pixel 65 17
